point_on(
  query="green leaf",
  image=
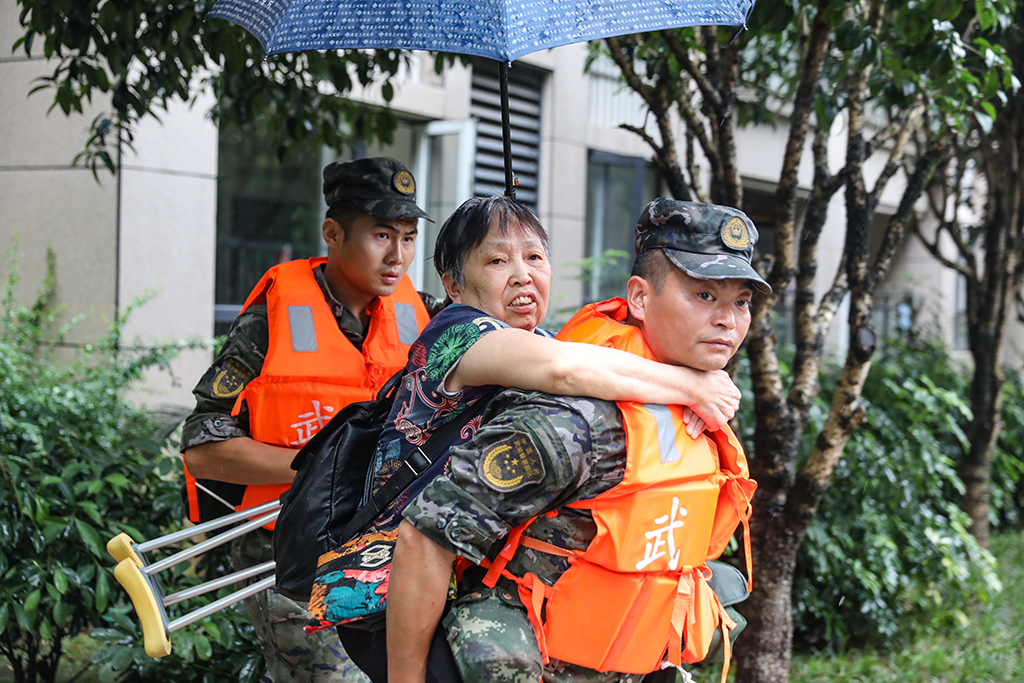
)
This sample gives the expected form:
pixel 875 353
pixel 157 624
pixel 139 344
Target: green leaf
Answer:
pixel 102 590
pixel 203 648
pixel 117 480
pixel 62 613
pixel 22 618
pixel 45 630
pixel 985 13
pixel 90 537
pixel 32 602
pixel 60 581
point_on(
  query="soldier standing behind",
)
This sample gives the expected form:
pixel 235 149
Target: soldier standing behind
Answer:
pixel 313 336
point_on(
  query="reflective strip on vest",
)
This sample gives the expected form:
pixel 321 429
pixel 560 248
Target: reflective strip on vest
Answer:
pixel 666 432
pixel 405 319
pixel 300 323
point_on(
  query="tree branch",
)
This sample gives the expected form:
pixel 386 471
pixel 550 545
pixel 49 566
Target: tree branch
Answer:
pixel 711 94
pixel 695 126
pixel 786 190
pixel 692 170
pixel 895 229
pixel 810 325
pixel 907 125
pixel 634 81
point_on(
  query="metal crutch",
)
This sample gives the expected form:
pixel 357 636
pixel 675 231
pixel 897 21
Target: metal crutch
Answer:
pixel 137 575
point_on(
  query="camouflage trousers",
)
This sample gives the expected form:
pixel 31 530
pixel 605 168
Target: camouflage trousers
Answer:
pixel 492 640
pixel 291 654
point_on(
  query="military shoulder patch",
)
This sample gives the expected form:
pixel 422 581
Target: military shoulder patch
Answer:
pixel 231 378
pixel 511 464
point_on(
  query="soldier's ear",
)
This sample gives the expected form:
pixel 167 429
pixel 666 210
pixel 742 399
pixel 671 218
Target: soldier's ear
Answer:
pixel 332 232
pixel 638 292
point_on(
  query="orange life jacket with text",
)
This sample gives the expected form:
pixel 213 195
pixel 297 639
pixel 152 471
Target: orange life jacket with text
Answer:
pixel 311 370
pixel 677 506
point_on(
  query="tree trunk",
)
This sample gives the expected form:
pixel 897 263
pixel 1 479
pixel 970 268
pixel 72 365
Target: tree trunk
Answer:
pixel 767 641
pixel 986 406
pixel 988 304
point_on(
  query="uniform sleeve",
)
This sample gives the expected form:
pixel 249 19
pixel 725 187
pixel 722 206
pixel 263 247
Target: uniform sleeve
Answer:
pixel 529 459
pixel 238 363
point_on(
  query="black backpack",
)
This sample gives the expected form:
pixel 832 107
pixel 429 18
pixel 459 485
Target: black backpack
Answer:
pixel 321 509
pixel 331 473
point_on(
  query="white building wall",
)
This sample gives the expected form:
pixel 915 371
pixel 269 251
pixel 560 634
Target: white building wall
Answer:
pixel 149 230
pixel 168 234
pixel 44 202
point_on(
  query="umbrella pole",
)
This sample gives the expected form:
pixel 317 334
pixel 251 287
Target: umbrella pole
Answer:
pixel 506 129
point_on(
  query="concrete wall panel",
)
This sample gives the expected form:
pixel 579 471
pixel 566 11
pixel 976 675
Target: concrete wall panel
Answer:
pixel 68 211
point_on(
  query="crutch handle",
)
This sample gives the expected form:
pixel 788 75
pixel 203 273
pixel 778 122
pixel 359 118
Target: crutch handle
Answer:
pixel 122 547
pixel 148 602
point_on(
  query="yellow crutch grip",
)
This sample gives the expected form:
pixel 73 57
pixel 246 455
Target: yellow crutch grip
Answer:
pixel 121 547
pixel 148 607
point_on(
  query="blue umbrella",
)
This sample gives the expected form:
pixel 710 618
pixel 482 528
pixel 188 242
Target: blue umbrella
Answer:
pixel 503 30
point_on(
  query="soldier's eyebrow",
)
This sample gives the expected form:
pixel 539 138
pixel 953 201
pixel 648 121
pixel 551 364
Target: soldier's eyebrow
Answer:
pixel 397 229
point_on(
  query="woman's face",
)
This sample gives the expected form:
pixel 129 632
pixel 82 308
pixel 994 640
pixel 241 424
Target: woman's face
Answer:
pixel 506 276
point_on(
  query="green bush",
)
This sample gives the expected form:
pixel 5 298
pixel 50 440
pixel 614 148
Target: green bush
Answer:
pixel 889 544
pixel 1007 470
pixel 78 465
pixel 890 541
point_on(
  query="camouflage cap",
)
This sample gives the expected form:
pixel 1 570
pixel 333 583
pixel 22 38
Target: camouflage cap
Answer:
pixel 706 241
pixel 381 186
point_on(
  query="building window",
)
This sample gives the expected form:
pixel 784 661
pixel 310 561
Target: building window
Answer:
pixel 524 102
pixel 618 188
pixel 268 211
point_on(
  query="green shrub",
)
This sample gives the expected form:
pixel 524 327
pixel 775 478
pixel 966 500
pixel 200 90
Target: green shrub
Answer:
pixel 1007 469
pixel 79 464
pixel 889 541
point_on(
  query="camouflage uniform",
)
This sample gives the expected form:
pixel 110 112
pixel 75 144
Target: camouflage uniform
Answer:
pixel 383 188
pixel 534 453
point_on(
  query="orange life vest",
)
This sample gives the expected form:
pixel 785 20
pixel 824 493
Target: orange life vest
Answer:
pixel 312 370
pixel 677 506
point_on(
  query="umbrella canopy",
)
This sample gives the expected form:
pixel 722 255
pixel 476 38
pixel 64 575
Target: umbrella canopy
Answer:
pixel 503 30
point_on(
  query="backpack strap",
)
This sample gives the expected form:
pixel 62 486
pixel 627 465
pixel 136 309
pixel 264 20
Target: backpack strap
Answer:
pixel 415 464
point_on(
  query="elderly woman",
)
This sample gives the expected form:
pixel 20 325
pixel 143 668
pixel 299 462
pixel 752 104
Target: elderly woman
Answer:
pixel 492 255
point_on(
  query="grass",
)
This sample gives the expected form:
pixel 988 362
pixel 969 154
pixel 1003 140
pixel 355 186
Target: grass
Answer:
pixel 990 648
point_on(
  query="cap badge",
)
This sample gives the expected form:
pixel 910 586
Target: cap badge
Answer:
pixel 735 234
pixel 403 182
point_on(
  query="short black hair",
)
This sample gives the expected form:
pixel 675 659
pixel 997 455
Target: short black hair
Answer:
pixel 345 213
pixel 654 266
pixel 467 227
